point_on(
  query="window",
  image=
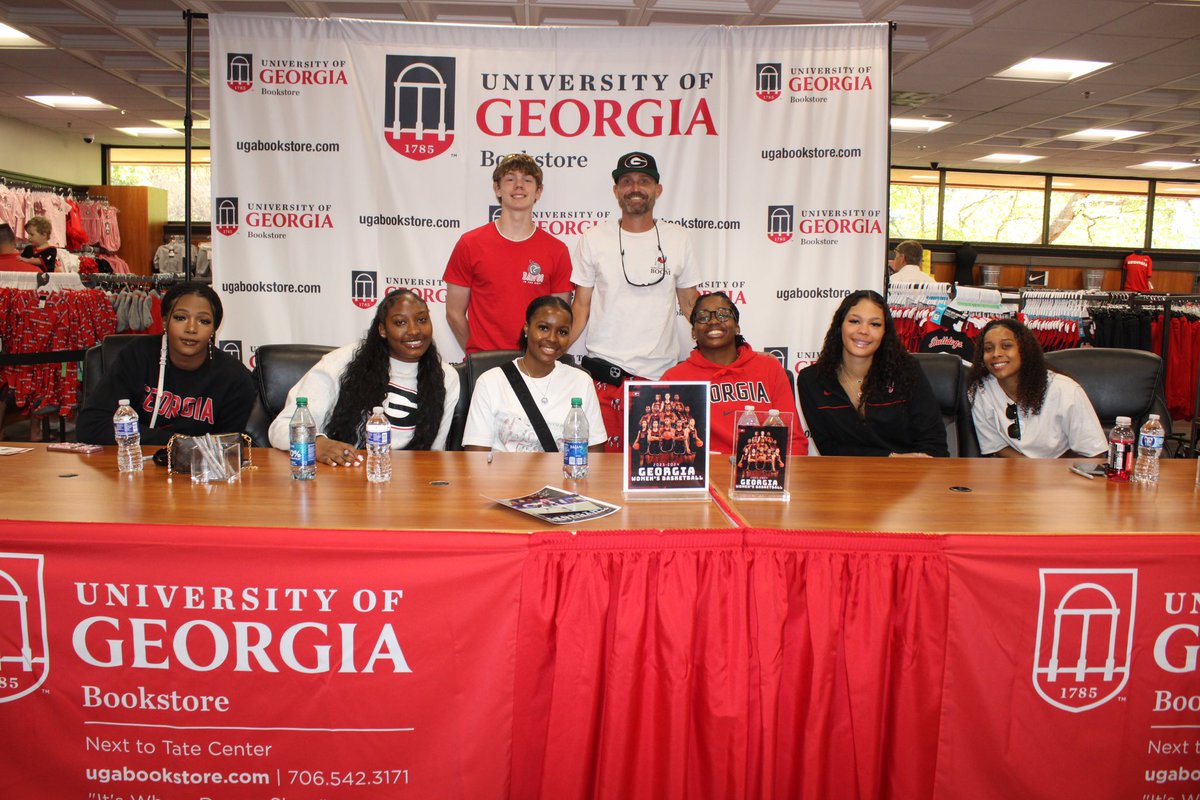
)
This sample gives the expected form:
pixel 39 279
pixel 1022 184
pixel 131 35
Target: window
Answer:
pixel 163 168
pixel 1098 212
pixel 914 204
pixel 1176 216
pixel 993 207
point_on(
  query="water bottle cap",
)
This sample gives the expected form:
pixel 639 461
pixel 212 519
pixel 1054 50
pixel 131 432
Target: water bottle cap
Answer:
pixel 1124 421
pixel 301 401
pixel 576 402
pixel 122 402
pixel 1154 416
pixel 748 407
pixel 773 411
pixel 377 410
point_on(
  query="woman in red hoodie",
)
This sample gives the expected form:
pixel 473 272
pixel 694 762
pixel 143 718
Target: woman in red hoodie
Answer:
pixel 738 375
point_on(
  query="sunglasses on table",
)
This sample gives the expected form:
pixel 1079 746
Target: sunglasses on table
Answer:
pixel 1014 429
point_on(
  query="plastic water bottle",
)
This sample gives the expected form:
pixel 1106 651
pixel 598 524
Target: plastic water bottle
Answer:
pixel 379 447
pixel 1150 445
pixel 128 438
pixel 747 417
pixel 302 442
pixel 1120 451
pixel 773 418
pixel 575 442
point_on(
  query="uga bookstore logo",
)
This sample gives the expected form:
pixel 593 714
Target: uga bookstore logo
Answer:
pixel 364 287
pixel 226 215
pixel 419 105
pixel 781 221
pixel 24 656
pixel 1084 636
pixel 780 354
pixel 239 71
pixel 768 81
pixel 233 347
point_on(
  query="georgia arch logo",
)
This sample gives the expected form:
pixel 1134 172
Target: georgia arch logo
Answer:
pixel 24 656
pixel 1084 636
pixel 418 105
pixel 768 81
pixel 239 71
pixel 225 215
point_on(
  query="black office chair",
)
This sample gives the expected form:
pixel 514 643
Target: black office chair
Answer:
pixel 278 367
pixel 99 358
pixel 948 376
pixel 1119 382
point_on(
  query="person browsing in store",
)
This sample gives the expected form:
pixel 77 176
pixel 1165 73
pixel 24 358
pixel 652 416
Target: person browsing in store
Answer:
pixel 906 266
pixel 39 252
pixel 1021 407
pixel 738 375
pixel 395 365
pixel 510 403
pixel 180 382
pixel 865 395
pixel 497 268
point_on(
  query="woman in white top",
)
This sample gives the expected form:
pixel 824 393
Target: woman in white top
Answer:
pixel 396 365
pixel 497 420
pixel 1020 407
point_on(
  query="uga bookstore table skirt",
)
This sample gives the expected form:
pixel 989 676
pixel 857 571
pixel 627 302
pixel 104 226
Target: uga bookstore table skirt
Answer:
pixel 238 645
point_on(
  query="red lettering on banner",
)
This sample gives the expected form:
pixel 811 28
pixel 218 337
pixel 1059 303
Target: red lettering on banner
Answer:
pixel 258 219
pixel 832 83
pixel 857 225
pixel 303 77
pixel 572 117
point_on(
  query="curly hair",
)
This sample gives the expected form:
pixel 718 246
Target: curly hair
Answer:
pixel 364 384
pixel 891 365
pixel 738 339
pixel 1032 378
pixel 531 309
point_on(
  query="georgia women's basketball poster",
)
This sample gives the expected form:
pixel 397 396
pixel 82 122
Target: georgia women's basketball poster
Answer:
pixel 666 436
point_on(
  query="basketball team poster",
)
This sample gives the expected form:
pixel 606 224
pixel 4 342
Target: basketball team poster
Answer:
pixel 666 435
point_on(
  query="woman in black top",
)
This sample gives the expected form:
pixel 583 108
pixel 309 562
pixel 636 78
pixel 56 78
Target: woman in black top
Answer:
pixel 866 396
pixel 199 389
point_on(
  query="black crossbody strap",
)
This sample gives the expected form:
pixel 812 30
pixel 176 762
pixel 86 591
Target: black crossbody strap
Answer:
pixel 531 410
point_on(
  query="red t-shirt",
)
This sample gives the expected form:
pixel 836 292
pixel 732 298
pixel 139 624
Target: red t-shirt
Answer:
pixel 1138 269
pixel 504 276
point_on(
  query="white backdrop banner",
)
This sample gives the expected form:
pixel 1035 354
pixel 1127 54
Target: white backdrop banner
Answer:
pixel 349 156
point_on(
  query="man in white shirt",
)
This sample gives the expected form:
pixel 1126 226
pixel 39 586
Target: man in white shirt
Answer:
pixel 906 266
pixel 633 277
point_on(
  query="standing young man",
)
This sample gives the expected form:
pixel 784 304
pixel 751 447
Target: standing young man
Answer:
pixel 630 277
pixel 496 269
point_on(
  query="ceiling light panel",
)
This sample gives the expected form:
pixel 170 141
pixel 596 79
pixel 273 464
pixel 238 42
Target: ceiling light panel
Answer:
pixel 1051 69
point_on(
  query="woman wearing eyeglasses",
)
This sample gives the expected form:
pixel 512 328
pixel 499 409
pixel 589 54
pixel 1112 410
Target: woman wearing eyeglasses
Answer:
pixel 738 375
pixel 1021 407
pixel 866 396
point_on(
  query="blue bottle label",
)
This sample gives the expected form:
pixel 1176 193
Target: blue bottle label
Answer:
pixel 575 454
pixel 1149 440
pixel 379 437
pixel 127 427
pixel 304 454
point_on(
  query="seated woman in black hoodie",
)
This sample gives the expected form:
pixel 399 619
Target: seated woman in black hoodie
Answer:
pixel 179 382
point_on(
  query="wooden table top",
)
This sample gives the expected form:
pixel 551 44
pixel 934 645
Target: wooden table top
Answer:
pixel 428 491
pixel 1007 496
pixel 449 491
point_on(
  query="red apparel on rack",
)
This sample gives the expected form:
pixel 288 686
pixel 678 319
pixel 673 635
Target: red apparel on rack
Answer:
pixel 1183 358
pixel 76 236
pixel 63 320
